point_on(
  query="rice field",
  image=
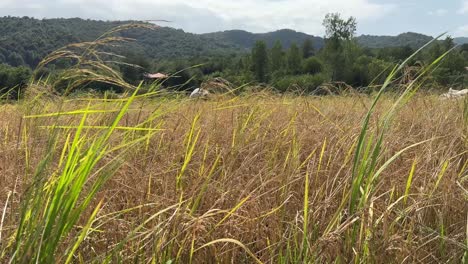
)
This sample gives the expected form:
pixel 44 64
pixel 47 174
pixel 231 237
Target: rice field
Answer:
pixel 257 178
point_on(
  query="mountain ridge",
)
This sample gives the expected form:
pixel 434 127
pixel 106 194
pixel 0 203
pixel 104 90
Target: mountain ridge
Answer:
pixel 247 39
pixel 25 41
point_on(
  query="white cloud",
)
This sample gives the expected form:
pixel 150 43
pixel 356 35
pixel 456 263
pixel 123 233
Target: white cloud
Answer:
pixel 206 15
pixel 439 12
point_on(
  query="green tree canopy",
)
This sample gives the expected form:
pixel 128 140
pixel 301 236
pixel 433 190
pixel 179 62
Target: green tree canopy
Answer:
pixel 294 59
pixel 312 66
pixel 338 31
pixel 307 49
pixel 260 61
pixel 13 80
pixel 338 28
pixel 134 68
pixel 277 57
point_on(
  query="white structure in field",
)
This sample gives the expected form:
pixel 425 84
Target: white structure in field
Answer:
pixel 454 94
pixel 199 93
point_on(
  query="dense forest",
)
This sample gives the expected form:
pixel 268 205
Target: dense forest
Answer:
pixel 413 40
pixel 283 59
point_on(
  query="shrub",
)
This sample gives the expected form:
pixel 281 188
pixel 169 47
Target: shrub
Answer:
pixel 13 80
pixel 312 66
pixel 302 83
pixel 367 70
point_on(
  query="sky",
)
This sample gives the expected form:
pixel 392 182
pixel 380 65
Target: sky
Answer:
pixel 374 17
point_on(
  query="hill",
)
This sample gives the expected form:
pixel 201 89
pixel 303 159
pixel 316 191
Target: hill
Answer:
pixel 414 40
pixel 25 41
pixel 246 40
pixel 462 40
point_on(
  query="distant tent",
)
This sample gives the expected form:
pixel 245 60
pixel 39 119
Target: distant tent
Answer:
pixel 156 76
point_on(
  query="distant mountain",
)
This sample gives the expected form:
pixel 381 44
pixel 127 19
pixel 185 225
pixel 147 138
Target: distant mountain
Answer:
pixel 414 40
pixel 246 40
pixel 461 40
pixel 25 41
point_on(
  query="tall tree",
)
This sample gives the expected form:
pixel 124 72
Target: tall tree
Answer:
pixel 337 31
pixel 448 43
pixel 307 49
pixel 277 56
pixel 454 61
pixel 260 61
pixel 337 28
pixel 294 59
pixel 434 52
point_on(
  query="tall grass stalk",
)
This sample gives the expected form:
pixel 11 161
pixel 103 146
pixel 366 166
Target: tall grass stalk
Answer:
pixel 56 202
pixel 365 172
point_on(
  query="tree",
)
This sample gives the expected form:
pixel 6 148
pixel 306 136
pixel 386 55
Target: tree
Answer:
pixel 405 52
pixel 455 62
pixel 337 28
pixel 277 56
pixel 464 47
pixel 337 31
pixel 134 68
pixel 434 52
pixel 13 80
pixel 448 43
pixel 311 66
pixel 187 78
pixel 307 49
pixel 300 83
pixel 260 61
pixel 294 59
pixel 14 59
pixel 32 58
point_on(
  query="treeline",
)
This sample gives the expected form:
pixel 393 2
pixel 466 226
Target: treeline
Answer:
pixel 342 59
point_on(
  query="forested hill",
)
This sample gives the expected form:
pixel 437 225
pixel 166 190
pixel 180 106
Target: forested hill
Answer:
pixel 414 40
pixel 287 37
pixel 25 41
pixel 461 40
pixel 247 40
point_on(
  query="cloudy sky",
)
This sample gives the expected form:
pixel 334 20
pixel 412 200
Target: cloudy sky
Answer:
pixel 377 17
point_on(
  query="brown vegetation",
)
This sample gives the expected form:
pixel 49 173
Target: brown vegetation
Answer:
pixel 235 169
